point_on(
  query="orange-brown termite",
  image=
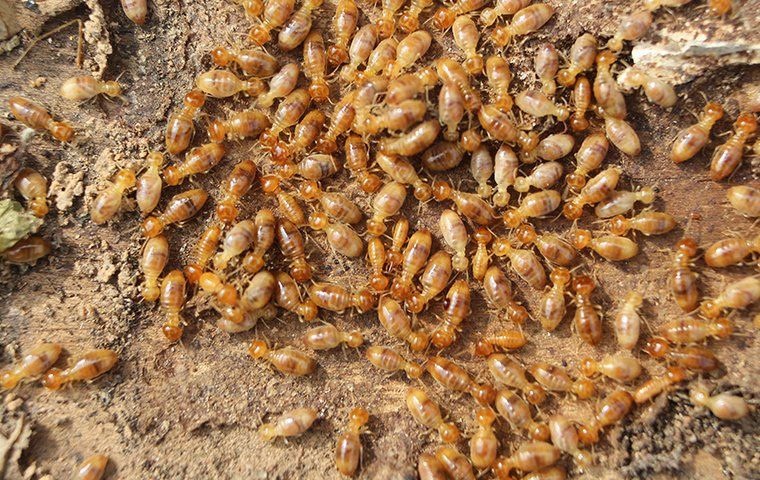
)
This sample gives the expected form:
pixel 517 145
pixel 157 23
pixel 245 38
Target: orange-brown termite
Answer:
pixel 454 463
pixel 202 253
pixel 442 156
pixel 745 199
pixel 335 204
pixel 180 127
pixel 689 141
pixel 731 250
pixel 315 166
pixel 86 87
pixel 287 204
pixel 325 337
pixel 589 157
pixel 386 26
pixel 154 258
pixel 525 21
pixel 356 162
pixel 34 188
pixel 517 412
pixel 389 360
pixel 28 250
pixel 287 360
pixel 498 292
pixel 530 457
pixel 223 84
pixel 621 367
pixel 288 296
pixel 596 190
pixel 348 447
pixel 565 437
pixel 444 17
pixel 86 367
pixel 280 85
pixel 469 204
pixel 380 60
pixel 433 279
pixel 482 237
pixel 536 103
pixel 631 27
pixel 582 56
pixel 414 258
pixel 266 225
pixel 340 122
pixel 237 240
pixel 410 19
pixel 237 184
pixel 399 236
pixel 401 171
pixel 620 202
pixel 33 363
pixel 611 247
pixel 108 202
pixel 451 71
pixel 254 62
pixel 453 377
pixel 504 339
pixel 546 64
pixel 682 279
pixel 430 468
pixel 337 298
pixel 722 405
pixel 483 443
pixel 554 248
pixel 225 293
pixel 656 90
pixel 648 223
pixel 149 184
pixel 728 156
pixel 276 13
pixel 288 112
pixel 695 358
pixel 481 168
pixel 610 100
pixel 488 16
pixel 587 320
pixel 504 173
pixel 498 124
pixel 198 160
pixel 296 29
pixel 553 305
pixel 412 142
pixel 36 117
pixel 613 408
pixel 534 205
pixel 376 257
pixel 552 147
pixel 397 323
pixel 556 379
pixel 450 110
pixel 737 295
pixel 466 37
pixel 428 414
pixel 314 66
pixel 656 385
pixel 93 467
pixel 499 78
pixel 523 262
pixel 343 24
pixel 510 373
pixel 692 330
pixel 290 424
pixel 305 134
pixel 582 102
pixel 173 288
pixel 628 321
pixel 456 309
pixel 386 203
pixel 361 48
pixel 292 245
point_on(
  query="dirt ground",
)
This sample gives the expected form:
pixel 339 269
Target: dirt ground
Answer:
pixel 191 410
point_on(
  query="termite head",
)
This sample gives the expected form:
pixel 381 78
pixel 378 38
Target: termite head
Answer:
pixel 657 347
pixel 61 131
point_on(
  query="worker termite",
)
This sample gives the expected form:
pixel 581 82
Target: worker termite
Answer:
pixel 389 360
pixel 586 321
pixel 288 296
pixel 290 424
pixel 488 16
pixel 108 202
pixel 622 135
pixel 536 103
pixel 444 17
pixel 154 258
pixel 265 235
pixel 386 203
pixel 692 330
pixel 314 66
pixel 731 251
pixel 94 467
pixel 469 204
pixel 505 173
pixel 542 177
pixel 496 122
pixel 589 157
pixel 348 447
pixel 728 156
pixel 223 84
pixel 225 293
pixel 292 245
pixel 565 437
pixel 610 100
pixel 450 110
pixel 172 301
pixel 343 24
pixel 453 377
pixel 386 25
pixel 305 134
pixel 531 456
pixel 553 305
pixel 582 102
pixel 723 405
pixel 483 444
pixel 657 91
pixel 525 21
pixel 582 57
pixel 361 48
pixel 534 205
pixel 442 156
pixel 401 171
pixel 334 204
pixel 454 463
pixel 412 142
pixel 480 260
pixel 288 112
pixel 456 309
pixel 428 414
pixel 410 20
pixel 689 141
pixel 481 168
pixel 694 358
pixel 545 63
pixel 620 202
pixel 523 262
pixel 656 385
pixel 556 379
pixel 613 408
pixel 745 199
pixel 450 71
pixel 86 87
pixel 280 85
pixel 456 237
pixel 736 296
pixel 554 248
pixel 254 62
pixel 238 239
pixel 327 336
pixel 720 7
pixel 628 321
pixel 648 223
pixel 337 298
pixel 287 204
pixel 430 468
pixel 510 373
pixel 276 13
pixel 259 291
pixel 315 166
pixel 356 162
pixel 596 190
pixel 28 250
pixel 396 322
pixel 552 147
pixel 611 247
pixel 180 127
pixel 631 27
pixel 466 36
pixel 376 255
pixel 498 293
pixel 621 367
pixel 137 11
pixel 415 255
pixel 433 279
pixel 34 188
pixel 682 280
pixel 287 360
pixel 34 362
pixel 380 60
pixel 499 78
pixel 198 160
pixel 237 184
pixel 340 122
pixel 295 30
pixel 399 236
pixel 517 412
pixel 505 339
pixel 36 117
pixel 149 184
pixel 86 367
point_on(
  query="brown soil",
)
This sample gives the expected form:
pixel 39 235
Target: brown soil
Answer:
pixel 191 410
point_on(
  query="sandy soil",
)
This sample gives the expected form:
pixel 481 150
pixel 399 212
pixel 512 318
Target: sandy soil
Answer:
pixel 191 410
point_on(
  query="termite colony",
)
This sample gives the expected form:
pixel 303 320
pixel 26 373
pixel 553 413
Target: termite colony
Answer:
pixel 377 116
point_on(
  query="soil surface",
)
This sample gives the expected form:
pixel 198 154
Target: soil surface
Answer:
pixel 192 409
